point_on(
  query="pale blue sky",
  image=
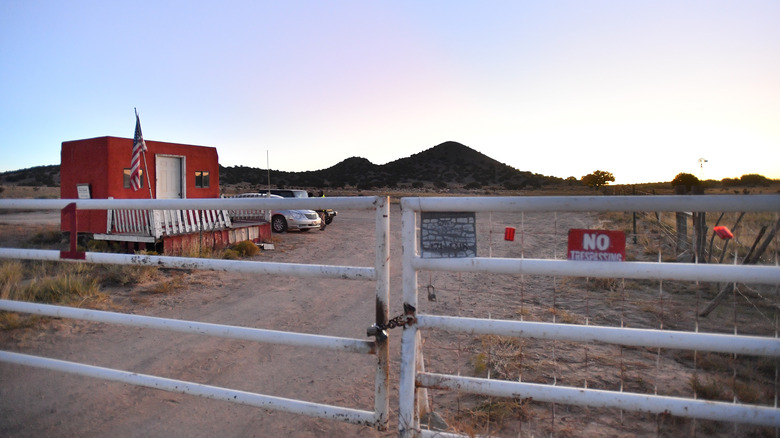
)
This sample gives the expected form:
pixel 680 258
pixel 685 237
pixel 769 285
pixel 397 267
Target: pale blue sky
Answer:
pixel 563 88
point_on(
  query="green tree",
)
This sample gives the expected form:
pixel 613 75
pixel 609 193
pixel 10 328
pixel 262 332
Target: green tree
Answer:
pixel 754 179
pixel 685 179
pixel 597 179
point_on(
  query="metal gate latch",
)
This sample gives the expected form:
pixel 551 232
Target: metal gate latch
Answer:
pixel 380 330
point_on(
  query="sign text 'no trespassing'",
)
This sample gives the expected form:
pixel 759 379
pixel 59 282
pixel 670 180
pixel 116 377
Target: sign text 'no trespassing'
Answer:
pixel 597 245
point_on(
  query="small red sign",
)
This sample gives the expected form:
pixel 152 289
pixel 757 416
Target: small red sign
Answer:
pixel 597 245
pixel 509 233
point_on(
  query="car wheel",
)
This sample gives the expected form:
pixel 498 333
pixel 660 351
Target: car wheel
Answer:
pixel 279 224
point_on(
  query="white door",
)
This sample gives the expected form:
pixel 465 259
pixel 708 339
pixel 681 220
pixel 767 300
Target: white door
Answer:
pixel 169 177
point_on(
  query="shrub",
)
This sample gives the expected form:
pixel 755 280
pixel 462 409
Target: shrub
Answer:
pixel 753 180
pixel 230 254
pixel 247 248
pixel 685 179
pixel 597 179
pixel 127 274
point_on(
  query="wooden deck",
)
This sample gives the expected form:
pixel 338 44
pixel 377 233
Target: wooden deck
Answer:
pixel 178 230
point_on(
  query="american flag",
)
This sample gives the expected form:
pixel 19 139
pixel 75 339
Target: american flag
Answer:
pixel 139 146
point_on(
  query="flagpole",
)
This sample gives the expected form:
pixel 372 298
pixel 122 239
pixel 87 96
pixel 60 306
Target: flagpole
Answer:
pixel 146 171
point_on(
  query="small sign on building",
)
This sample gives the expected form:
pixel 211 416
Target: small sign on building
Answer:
pixel 83 191
pixel 448 235
pixel 597 245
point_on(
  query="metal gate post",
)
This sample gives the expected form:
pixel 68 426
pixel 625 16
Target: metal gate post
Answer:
pixel 382 381
pixel 408 423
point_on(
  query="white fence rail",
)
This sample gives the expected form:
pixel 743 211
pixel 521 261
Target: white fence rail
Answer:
pixel 414 380
pixel 379 273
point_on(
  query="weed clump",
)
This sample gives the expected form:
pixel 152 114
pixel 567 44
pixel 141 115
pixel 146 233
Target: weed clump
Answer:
pixel 246 248
pixel 230 254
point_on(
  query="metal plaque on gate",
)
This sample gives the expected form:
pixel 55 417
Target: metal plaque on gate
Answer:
pixel 448 235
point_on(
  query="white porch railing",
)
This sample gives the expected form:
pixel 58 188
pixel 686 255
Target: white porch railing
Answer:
pixel 158 223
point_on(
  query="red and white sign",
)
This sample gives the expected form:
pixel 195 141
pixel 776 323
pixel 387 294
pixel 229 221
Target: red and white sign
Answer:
pixel 597 245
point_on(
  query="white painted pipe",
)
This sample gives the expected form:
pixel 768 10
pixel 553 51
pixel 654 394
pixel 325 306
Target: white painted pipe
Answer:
pixel 750 274
pixel 317 410
pixel 408 422
pixel 349 203
pixel 175 325
pixel 721 343
pixel 707 410
pixel 292 269
pixel 719 203
pixel 382 312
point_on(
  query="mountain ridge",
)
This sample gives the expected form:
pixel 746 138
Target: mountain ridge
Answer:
pixel 448 163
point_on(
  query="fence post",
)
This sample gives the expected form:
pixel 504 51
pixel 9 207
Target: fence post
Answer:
pixel 682 232
pixel 382 380
pixel 407 417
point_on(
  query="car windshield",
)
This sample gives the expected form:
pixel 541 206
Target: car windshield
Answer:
pixel 300 194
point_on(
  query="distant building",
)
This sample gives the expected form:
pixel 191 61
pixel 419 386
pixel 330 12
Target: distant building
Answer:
pixel 99 168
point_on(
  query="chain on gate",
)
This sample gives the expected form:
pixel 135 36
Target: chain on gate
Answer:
pixel 379 330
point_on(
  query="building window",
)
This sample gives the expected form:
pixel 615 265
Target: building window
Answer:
pixel 202 179
pixel 126 176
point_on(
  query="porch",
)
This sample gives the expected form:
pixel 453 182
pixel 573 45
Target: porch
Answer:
pixel 173 232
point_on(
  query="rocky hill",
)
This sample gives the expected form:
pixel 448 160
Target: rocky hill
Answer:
pixel 45 176
pixel 447 164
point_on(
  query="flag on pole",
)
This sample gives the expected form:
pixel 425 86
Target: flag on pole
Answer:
pixel 139 146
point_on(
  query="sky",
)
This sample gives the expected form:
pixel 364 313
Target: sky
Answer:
pixel 562 88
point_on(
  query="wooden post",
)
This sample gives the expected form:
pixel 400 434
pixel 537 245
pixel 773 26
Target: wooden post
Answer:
pixel 699 236
pixel 682 232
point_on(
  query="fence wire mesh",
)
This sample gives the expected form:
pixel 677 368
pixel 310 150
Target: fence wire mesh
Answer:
pixel 742 309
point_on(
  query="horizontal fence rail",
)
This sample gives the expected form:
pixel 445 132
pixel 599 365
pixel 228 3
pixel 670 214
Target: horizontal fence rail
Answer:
pixel 633 270
pixel 272 268
pixel 708 410
pixel 188 215
pixel 750 345
pixel 414 380
pixel 202 328
pixel 311 409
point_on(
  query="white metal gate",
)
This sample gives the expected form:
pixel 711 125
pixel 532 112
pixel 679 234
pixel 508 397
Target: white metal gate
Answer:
pixel 414 380
pixel 378 273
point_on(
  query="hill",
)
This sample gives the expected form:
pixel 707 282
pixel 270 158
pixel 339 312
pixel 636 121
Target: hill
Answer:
pixel 440 166
pixel 46 176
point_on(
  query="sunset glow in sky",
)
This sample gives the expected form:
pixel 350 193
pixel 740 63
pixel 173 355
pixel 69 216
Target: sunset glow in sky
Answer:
pixel 561 88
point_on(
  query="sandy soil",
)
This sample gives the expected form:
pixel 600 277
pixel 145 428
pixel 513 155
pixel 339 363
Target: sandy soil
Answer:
pixel 43 403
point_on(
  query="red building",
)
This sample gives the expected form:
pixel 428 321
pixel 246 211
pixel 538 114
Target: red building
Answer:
pixel 99 168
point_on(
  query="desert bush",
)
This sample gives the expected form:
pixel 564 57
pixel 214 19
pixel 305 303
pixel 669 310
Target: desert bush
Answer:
pixel 246 248
pixel 127 274
pixel 46 238
pixel 492 413
pixel 98 246
pixel 230 254
pixel 167 286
